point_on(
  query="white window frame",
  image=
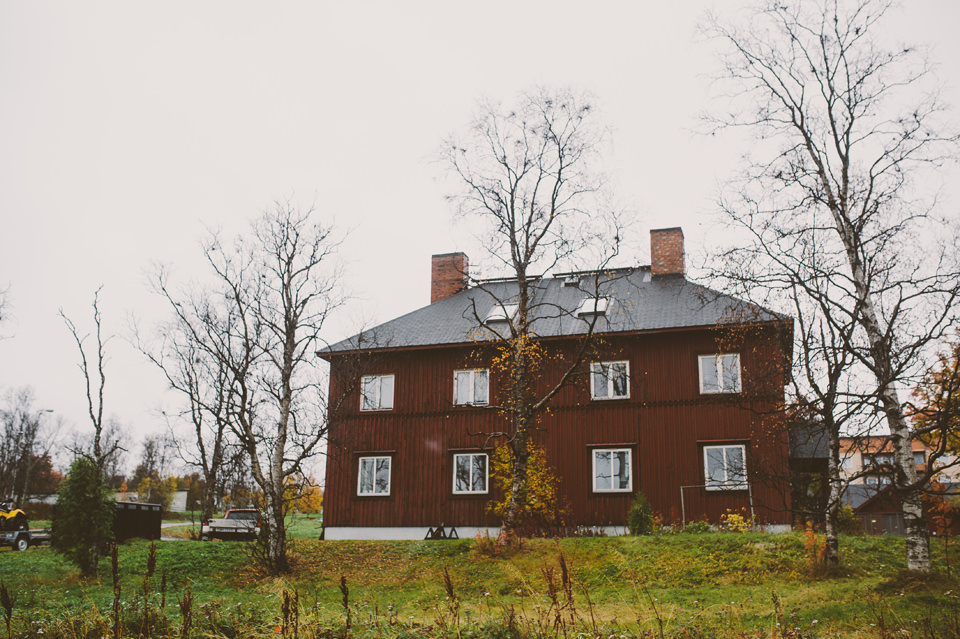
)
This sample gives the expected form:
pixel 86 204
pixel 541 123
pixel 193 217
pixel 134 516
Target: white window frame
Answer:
pixel 715 362
pixel 597 368
pixel 486 476
pixel 628 465
pixel 377 402
pixel 373 492
pixel 739 483
pixel 472 399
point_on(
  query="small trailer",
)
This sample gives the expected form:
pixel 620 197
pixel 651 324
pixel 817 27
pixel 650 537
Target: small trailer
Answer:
pixel 23 539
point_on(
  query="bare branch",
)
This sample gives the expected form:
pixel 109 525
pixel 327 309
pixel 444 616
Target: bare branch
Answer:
pixel 95 379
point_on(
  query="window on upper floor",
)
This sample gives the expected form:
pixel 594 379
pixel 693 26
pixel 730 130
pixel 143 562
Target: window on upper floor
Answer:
pixel 878 459
pixel 725 467
pixel 609 380
pixel 471 387
pixel 376 392
pixel 470 473
pixel 919 457
pixel 612 470
pixel 720 373
pixel 374 477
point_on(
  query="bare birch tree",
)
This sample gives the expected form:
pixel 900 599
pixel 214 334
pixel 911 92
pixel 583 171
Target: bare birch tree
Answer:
pixel 193 354
pixel 105 444
pixel 273 290
pixel 529 177
pixel 833 199
pixel 824 399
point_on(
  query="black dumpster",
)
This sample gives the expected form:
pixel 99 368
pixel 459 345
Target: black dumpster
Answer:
pixel 136 520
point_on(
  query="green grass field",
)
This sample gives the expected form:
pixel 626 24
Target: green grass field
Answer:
pixel 677 585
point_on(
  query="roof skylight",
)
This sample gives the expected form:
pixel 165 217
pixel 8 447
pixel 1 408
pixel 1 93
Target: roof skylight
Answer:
pixel 501 313
pixel 593 306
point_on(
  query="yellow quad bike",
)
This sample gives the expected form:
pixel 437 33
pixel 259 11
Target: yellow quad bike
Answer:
pixel 12 518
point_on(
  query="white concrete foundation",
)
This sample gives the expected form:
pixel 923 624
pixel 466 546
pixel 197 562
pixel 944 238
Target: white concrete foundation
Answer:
pixel 397 533
pixel 401 533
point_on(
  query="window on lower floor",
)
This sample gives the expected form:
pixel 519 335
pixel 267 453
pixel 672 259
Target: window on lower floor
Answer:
pixel 611 470
pixel 609 380
pixel 471 387
pixel 720 373
pixel 376 392
pixel 470 473
pixel 374 476
pixel 877 480
pixel 725 467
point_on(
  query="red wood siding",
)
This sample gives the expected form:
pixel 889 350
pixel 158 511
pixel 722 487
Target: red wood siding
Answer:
pixel 665 422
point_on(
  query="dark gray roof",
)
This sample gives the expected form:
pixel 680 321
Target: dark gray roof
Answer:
pixel 637 302
pixel 856 495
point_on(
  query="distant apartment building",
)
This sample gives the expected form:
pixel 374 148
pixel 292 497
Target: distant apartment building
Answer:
pixel 869 461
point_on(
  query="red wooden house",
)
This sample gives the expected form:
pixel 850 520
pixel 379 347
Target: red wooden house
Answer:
pixel 678 400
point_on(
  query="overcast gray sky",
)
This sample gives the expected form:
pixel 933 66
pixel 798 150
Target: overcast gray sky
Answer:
pixel 128 128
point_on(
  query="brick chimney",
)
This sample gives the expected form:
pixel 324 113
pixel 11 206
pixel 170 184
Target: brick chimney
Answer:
pixel 449 274
pixel 666 251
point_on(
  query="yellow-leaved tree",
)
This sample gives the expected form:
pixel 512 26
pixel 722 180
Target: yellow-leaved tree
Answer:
pixel 303 494
pixel 545 509
pixel 936 411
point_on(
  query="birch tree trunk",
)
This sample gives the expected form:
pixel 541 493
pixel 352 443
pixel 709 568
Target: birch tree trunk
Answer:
pixel 831 520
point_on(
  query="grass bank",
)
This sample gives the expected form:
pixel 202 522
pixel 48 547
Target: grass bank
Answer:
pixel 682 585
